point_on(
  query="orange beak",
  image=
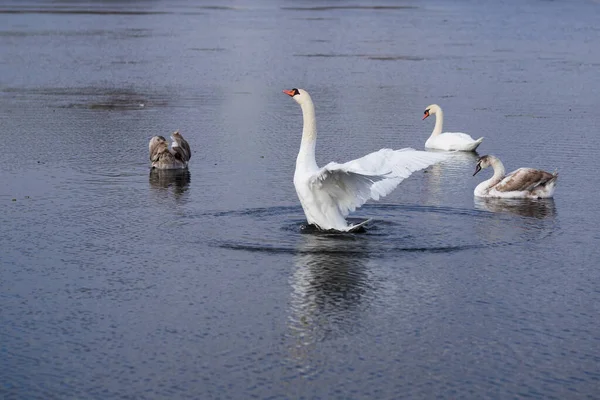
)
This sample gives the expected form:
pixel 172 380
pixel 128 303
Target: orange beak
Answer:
pixel 289 93
pixel 426 115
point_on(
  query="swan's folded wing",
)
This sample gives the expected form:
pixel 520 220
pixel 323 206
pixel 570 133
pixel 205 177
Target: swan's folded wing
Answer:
pixel 180 153
pixel 375 175
pixel 186 146
pixel 523 179
pixel 156 147
pixel 455 138
pixel 181 146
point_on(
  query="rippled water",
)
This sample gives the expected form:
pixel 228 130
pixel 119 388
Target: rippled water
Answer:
pixel 118 282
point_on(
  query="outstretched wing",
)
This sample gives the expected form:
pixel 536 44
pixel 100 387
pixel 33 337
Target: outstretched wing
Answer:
pixel 523 179
pixel 373 176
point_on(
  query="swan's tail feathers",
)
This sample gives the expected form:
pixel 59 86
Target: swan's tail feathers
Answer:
pixel 475 144
pixel 546 189
pixel 553 179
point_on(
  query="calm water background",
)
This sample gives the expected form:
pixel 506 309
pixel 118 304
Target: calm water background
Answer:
pixel 118 283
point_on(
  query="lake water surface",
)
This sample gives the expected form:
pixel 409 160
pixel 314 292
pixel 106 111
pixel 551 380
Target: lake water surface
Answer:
pixel 116 282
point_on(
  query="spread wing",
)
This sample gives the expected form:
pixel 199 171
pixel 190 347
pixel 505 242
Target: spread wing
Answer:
pixel 523 179
pixel 373 176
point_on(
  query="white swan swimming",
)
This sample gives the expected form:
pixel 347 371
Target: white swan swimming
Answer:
pixel 164 158
pixel 330 193
pixel 523 183
pixel 449 141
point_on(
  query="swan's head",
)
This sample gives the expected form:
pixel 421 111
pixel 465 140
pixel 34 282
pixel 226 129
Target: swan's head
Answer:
pixel 429 110
pixel 301 96
pixel 483 163
pixel 176 135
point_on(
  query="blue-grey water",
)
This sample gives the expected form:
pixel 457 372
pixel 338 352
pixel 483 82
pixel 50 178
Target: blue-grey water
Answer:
pixel 120 283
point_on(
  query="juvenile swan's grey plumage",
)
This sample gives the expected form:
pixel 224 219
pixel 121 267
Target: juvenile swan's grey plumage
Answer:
pixel 522 183
pixel 177 157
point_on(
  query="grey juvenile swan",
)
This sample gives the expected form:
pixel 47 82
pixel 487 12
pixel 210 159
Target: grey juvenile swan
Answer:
pixel 525 183
pixel 177 157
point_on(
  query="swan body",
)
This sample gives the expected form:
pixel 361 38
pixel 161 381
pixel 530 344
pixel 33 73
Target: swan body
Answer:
pixel 449 141
pixel 328 194
pixel 177 157
pixel 524 183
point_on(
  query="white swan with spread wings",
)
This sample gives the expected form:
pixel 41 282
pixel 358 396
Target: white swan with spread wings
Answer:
pixel 330 193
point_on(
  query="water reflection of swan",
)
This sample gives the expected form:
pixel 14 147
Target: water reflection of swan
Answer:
pixel 330 290
pixel 176 180
pixel 534 220
pixel 542 208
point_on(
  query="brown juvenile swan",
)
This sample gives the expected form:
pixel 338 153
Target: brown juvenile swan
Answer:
pixel 523 183
pixel 177 157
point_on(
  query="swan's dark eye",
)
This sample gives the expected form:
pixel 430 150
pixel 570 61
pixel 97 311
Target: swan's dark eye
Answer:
pixel 295 92
pixel 426 112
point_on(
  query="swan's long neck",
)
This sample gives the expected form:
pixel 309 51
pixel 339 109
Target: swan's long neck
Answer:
pixel 499 170
pixel 439 122
pixel 499 173
pixel 306 156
